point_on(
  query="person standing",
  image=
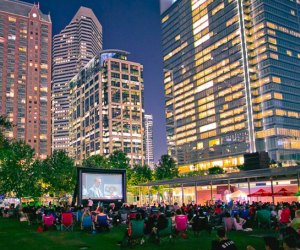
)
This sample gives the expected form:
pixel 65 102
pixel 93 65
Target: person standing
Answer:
pixel 90 204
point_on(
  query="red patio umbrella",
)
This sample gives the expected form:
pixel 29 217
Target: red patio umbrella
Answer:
pixel 260 193
pixel 284 192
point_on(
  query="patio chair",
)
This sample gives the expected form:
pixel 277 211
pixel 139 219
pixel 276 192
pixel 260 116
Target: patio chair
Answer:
pixel 181 223
pixel 67 222
pixel 102 223
pixel 166 232
pixel 48 221
pixel 136 231
pixel 87 223
pixel 124 217
pixel 200 223
pixel 263 218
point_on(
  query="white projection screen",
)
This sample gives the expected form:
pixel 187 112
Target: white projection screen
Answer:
pixel 101 184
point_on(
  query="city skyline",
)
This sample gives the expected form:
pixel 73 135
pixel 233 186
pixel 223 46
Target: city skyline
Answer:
pixel 133 26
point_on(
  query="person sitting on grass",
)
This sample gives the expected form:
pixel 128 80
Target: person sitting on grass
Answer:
pixel 238 223
pixel 222 242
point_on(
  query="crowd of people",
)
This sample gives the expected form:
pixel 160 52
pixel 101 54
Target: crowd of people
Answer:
pixel 283 219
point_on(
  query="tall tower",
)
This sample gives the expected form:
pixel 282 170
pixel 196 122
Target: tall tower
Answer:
pixel 25 73
pixel 106 108
pixel 73 48
pixel 148 141
pixel 231 75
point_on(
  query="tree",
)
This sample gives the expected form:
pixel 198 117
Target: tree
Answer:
pixel 95 161
pixel 194 173
pixel 18 172
pixel 59 173
pixel 140 174
pixel 118 160
pixel 216 170
pixel 4 123
pixel 166 168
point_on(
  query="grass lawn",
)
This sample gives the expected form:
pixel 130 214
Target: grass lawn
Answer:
pixel 18 235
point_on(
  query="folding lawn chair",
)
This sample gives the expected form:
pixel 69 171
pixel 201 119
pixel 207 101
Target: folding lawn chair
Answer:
pixel 48 221
pixel 87 223
pixel 181 224
pixel 102 223
pixel 67 222
pixel 166 232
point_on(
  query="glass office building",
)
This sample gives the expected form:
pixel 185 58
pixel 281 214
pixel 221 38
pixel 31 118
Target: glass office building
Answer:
pixel 73 48
pixel 231 76
pixel 106 108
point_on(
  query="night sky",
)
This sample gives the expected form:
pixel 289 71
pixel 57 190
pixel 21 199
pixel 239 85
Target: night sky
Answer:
pixel 133 26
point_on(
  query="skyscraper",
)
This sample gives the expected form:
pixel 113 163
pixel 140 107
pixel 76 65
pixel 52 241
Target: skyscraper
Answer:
pixel 148 141
pixel 106 108
pixel 232 71
pixel 25 73
pixel 73 48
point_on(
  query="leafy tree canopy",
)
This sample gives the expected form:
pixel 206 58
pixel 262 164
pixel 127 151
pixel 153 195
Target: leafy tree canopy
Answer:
pixel 118 160
pixel 59 173
pixel 140 174
pixel 18 172
pixel 216 170
pixel 166 168
pixel 95 161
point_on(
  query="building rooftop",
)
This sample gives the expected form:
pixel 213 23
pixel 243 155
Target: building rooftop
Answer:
pixel 87 12
pixel 238 177
pixel 21 8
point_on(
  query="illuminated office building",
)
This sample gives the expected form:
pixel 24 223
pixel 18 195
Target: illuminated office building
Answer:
pixel 73 48
pixel 231 76
pixel 25 73
pixel 106 108
pixel 148 140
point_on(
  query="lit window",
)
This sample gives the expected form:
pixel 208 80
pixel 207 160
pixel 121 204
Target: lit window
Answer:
pixel 208 127
pixel 12 19
pixel 274 56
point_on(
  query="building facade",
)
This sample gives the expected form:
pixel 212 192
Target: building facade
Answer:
pixel 231 76
pixel 25 73
pixel 106 108
pixel 148 140
pixel 73 48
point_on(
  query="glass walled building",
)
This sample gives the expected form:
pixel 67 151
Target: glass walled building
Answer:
pixel 148 140
pixel 73 48
pixel 106 108
pixel 25 73
pixel 231 76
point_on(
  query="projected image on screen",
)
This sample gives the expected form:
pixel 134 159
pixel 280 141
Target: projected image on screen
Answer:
pixel 101 186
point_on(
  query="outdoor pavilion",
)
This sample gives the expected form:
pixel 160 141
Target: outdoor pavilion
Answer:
pixel 258 175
